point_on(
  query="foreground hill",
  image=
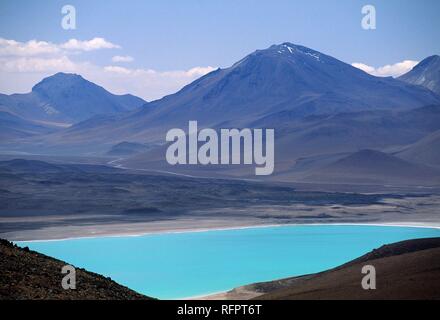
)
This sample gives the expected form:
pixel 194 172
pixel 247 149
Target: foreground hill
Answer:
pixel 26 274
pixel 67 98
pixel 405 270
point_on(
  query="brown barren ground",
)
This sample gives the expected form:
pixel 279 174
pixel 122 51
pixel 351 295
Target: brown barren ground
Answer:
pixel 404 270
pixel 28 275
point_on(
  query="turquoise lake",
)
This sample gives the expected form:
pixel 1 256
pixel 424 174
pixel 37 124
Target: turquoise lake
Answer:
pixel 179 265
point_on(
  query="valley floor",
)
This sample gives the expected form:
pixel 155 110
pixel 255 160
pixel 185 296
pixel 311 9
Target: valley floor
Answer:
pixel 41 200
pixel 173 226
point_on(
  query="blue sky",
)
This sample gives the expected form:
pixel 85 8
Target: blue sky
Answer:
pixel 166 39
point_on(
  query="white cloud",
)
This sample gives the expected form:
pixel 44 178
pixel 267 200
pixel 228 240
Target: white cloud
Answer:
pixel 36 64
pixel 122 59
pixel 14 48
pixel 117 69
pixel 364 67
pixel 146 83
pixel 23 64
pixel 89 45
pixel 390 70
pixel 191 73
pixel 29 48
pixel 18 75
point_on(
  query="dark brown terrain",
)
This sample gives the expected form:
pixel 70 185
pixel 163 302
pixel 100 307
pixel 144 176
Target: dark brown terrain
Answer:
pixel 405 270
pixel 28 275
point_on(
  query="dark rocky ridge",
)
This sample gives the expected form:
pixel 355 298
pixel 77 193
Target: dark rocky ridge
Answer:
pixel 28 275
pixel 405 270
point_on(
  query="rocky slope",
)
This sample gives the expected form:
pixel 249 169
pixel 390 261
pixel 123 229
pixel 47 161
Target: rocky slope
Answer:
pixel 26 274
pixel 405 270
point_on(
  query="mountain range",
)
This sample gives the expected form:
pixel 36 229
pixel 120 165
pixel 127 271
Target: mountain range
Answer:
pixel 321 108
pixel 263 88
pixel 67 98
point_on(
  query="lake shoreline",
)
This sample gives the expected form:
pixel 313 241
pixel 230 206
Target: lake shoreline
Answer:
pixel 391 258
pixel 428 225
pixel 253 237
